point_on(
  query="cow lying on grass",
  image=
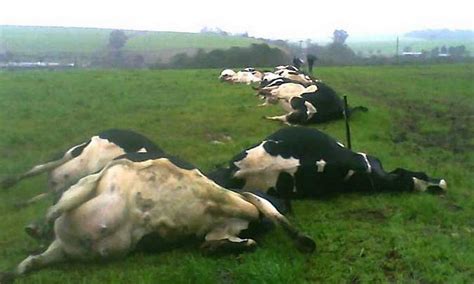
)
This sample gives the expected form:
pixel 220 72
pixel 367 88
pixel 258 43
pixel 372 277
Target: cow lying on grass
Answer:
pixel 106 214
pixel 245 76
pixel 304 104
pixel 84 159
pixel 293 73
pixel 300 162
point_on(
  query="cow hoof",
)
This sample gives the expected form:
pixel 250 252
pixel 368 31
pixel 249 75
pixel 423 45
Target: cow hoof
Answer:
pixel 8 182
pixel 7 277
pixel 226 246
pixel 440 188
pixel 33 231
pixel 20 205
pixel 52 215
pixel 305 244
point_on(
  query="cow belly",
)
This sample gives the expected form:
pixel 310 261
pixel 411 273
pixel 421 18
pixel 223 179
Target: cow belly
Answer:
pixel 85 229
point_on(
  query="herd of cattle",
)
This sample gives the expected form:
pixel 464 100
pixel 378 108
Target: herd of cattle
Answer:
pixel 118 187
pixel 305 100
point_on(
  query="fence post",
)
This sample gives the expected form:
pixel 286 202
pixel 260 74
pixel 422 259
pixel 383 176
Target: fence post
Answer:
pixel 348 130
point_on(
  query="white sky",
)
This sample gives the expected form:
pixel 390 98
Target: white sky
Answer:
pixel 270 19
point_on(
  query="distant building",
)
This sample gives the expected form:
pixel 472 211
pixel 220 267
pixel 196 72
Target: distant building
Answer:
pixel 38 64
pixel 412 53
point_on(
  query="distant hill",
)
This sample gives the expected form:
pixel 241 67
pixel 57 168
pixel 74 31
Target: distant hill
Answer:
pixel 82 44
pixel 442 34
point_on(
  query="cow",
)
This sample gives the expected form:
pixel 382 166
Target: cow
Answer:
pixel 43 232
pixel 287 67
pixel 105 215
pixel 227 75
pixel 316 103
pixel 84 159
pixel 246 76
pixel 299 162
pixel 281 88
pixel 295 76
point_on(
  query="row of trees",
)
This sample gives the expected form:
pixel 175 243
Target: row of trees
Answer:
pixel 454 51
pixel 255 55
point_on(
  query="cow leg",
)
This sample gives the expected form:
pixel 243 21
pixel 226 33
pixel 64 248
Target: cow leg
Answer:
pixel 284 188
pixel 32 200
pixel 75 196
pixel 303 242
pixel 223 238
pixel 228 245
pixel 53 254
pixel 402 180
pixel 300 114
pixel 421 181
pixel 282 118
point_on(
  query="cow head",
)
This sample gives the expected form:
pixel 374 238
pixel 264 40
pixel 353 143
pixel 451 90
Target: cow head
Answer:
pixel 227 75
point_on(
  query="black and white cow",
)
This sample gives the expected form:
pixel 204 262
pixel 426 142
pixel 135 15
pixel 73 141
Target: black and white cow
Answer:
pixel 86 158
pixel 293 73
pixel 282 89
pixel 105 215
pixel 300 162
pixel 316 103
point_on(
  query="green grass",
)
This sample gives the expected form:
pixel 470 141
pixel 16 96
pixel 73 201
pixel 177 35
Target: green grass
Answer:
pixel 420 118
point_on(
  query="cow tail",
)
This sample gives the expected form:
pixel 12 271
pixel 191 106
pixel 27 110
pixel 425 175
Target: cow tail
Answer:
pixel 41 168
pixel 303 242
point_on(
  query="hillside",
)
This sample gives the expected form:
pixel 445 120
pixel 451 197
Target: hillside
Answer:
pixel 34 43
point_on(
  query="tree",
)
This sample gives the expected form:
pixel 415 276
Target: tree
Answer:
pixel 435 52
pixel 117 39
pixel 340 36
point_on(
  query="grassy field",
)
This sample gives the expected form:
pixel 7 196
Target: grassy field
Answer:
pixel 420 117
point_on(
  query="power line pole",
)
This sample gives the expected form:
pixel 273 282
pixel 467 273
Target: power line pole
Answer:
pixel 396 54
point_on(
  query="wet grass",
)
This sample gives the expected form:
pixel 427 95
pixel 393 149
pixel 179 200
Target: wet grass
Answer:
pixel 419 118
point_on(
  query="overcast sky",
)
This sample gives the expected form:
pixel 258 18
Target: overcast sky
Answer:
pixel 270 19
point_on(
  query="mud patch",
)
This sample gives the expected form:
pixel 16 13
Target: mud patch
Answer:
pixel 366 215
pixel 391 264
pixel 450 127
pixel 451 205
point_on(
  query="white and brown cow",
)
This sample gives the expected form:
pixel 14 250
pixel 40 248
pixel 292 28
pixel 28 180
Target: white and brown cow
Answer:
pixel 106 214
pixel 85 158
pixel 297 162
pixel 245 76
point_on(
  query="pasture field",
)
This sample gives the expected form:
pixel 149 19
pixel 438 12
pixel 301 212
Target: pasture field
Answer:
pixel 420 118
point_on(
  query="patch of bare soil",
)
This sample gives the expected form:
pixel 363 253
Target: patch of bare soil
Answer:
pixel 363 214
pixel 456 126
